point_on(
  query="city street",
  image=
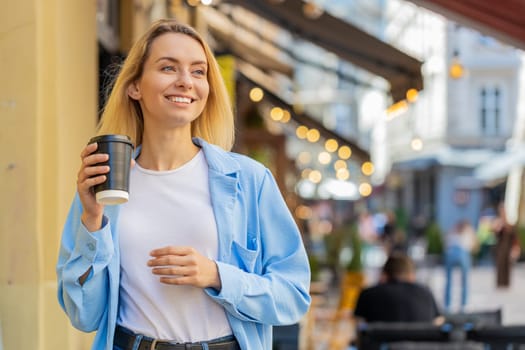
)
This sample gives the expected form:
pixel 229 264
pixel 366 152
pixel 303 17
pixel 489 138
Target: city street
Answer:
pixel 325 329
pixel 483 292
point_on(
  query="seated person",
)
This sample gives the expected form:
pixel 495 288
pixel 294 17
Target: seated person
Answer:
pixel 397 298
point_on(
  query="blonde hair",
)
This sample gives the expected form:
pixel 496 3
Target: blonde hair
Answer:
pixel 123 115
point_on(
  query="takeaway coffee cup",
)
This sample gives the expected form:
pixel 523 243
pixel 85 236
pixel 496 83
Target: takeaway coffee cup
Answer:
pixel 115 190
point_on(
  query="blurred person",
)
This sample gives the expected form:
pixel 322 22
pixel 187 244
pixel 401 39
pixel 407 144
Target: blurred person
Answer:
pixel 486 239
pixel 367 228
pixel 506 239
pixel 460 244
pixel 390 235
pixel 397 297
pixel 205 254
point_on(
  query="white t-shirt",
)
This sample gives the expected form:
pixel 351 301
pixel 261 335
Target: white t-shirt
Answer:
pixel 167 208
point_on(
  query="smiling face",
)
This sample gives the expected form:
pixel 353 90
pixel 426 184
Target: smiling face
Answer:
pixel 173 88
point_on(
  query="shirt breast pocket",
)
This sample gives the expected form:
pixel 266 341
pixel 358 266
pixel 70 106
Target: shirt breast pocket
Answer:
pixel 245 258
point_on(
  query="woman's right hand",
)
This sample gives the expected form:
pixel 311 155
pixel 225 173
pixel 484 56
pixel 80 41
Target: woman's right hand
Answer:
pixel 89 175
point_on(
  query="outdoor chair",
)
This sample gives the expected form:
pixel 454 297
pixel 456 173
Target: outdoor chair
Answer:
pixel 475 318
pixel 374 336
pixel 415 345
pixel 499 337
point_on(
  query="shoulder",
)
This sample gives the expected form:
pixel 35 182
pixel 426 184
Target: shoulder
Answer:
pixel 248 164
pixel 227 161
pixel 373 291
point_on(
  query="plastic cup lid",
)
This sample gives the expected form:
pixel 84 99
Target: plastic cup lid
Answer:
pixel 112 197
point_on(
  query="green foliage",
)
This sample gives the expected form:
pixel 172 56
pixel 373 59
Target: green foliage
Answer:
pixel 521 238
pixel 315 267
pixel 254 120
pixel 434 239
pixel 355 264
pixel 333 242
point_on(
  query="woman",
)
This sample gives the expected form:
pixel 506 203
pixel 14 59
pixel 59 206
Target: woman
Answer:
pixel 205 250
pixel 460 244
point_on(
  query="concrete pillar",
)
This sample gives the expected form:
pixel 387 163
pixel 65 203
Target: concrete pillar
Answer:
pixel 48 108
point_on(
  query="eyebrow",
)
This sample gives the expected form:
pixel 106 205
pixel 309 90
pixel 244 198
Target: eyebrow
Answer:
pixel 174 60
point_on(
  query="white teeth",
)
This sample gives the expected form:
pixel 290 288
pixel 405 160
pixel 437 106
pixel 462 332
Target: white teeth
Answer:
pixel 179 99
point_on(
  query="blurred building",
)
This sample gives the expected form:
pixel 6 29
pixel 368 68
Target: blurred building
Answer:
pixel 435 146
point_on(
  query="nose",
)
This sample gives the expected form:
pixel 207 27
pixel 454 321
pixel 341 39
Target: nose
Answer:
pixel 184 79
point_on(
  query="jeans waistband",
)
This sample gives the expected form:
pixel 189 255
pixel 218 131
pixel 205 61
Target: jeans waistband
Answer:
pixel 128 340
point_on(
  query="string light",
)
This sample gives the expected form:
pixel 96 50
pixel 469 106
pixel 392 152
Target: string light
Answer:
pixel 313 135
pixel 331 145
pixel 301 131
pixel 324 158
pixel 456 69
pixel 256 94
pixel 276 113
pixel 303 212
pixel 342 174
pixel 365 189
pixel 367 168
pixel 340 164
pixel 304 157
pixel 306 173
pixel 416 144
pixel 315 176
pixel 412 95
pixel 344 152
pixel 312 11
pixel 286 116
pixel 396 109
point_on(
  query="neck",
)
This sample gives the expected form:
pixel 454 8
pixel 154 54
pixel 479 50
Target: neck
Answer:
pixel 166 153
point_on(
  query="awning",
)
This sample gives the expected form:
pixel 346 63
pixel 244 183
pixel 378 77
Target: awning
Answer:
pixel 257 78
pixel 501 19
pixel 244 45
pixel 345 40
pixel 500 166
pixel 444 156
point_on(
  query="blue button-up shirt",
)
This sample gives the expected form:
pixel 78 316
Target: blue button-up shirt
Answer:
pixel 262 262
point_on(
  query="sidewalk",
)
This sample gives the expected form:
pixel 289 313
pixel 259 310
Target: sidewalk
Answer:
pixel 483 292
pixel 325 329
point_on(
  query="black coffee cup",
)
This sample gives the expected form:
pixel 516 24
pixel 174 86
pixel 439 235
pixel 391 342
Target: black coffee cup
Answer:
pixel 115 190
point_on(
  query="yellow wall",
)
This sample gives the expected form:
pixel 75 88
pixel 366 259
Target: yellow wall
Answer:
pixel 48 102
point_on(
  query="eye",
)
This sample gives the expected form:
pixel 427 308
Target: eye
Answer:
pixel 168 69
pixel 199 72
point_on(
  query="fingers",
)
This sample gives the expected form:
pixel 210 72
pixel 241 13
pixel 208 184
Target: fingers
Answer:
pixel 92 147
pixel 173 256
pixel 175 269
pixel 183 266
pixel 91 173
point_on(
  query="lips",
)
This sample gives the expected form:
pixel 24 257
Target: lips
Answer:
pixel 179 99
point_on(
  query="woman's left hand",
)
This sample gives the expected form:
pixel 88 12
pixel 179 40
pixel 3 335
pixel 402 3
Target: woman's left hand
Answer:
pixel 184 266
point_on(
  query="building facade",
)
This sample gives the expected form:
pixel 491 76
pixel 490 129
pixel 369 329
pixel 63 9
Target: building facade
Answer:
pixel 463 119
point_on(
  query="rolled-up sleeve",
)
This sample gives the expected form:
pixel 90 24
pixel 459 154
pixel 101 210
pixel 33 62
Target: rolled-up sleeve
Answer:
pixel 82 251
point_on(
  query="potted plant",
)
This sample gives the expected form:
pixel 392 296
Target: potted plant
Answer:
pixel 434 240
pixel 354 277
